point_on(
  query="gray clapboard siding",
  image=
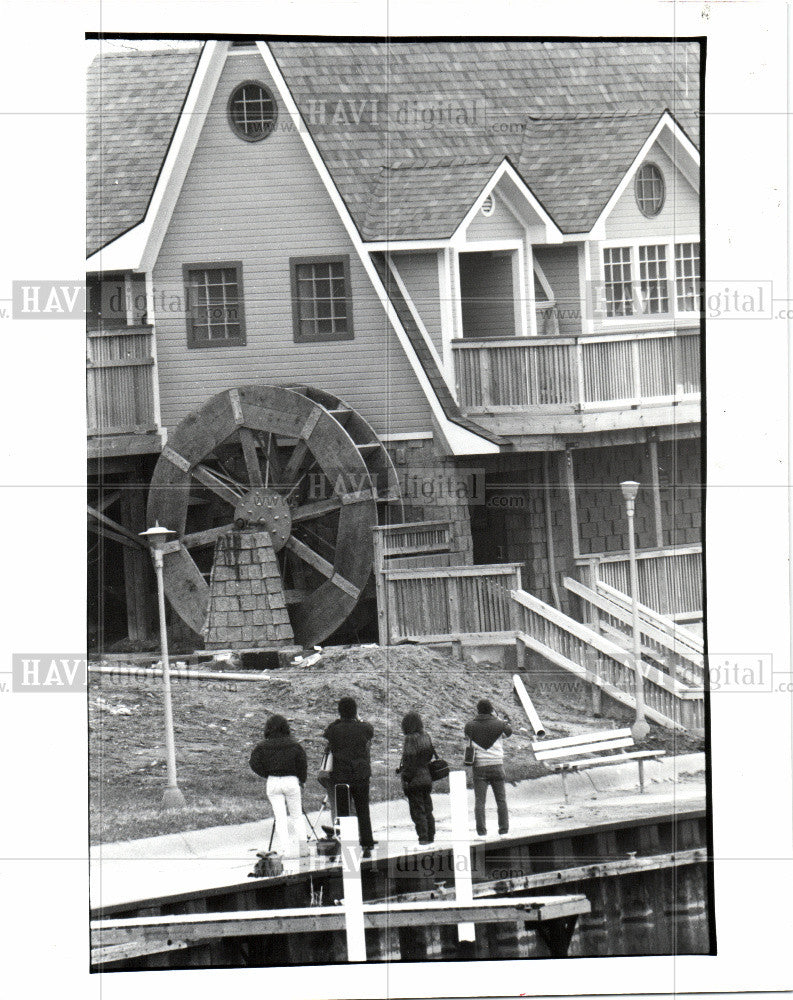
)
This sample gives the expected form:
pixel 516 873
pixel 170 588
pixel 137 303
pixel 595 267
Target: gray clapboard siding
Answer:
pixel 680 213
pixel 262 203
pixel 501 225
pixel 560 266
pixel 419 272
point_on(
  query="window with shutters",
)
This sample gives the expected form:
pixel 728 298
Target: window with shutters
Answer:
pixel 321 300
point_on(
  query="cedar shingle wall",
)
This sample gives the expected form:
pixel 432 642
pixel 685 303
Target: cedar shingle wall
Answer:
pixel 511 527
pixel 433 489
pixel 263 203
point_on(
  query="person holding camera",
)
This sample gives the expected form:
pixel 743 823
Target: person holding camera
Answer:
pixel 486 733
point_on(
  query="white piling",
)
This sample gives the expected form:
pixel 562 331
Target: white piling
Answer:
pixel 353 894
pixel 528 707
pixel 461 849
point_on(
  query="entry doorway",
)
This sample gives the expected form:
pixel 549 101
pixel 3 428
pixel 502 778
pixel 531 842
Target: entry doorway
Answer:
pixel 488 280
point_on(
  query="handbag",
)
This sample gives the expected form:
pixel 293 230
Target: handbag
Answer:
pixel 469 755
pixel 438 768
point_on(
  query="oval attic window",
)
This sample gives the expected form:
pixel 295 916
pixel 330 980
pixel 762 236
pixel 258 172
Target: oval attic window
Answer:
pixel 252 111
pixel 488 206
pixel 650 190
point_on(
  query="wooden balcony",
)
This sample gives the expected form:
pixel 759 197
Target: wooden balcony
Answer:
pixel 670 579
pixel 566 385
pixel 120 392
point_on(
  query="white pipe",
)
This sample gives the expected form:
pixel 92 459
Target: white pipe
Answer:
pixel 528 707
pixel 461 850
pixel 177 673
pixel 353 894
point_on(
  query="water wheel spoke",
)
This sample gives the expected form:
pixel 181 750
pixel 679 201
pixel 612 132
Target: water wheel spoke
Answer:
pixel 296 460
pixel 273 472
pixel 310 557
pixel 215 483
pixel 225 476
pixel 208 537
pixel 318 508
pixel 315 560
pixel 248 442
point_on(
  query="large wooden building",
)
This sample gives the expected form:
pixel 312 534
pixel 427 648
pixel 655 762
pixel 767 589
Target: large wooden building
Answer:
pixel 490 251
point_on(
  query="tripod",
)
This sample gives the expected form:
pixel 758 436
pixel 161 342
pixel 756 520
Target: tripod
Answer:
pixel 325 805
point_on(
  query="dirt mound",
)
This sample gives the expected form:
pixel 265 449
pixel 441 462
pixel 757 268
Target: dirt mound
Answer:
pixel 218 722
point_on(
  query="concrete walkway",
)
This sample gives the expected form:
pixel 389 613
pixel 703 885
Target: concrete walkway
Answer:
pixel 223 855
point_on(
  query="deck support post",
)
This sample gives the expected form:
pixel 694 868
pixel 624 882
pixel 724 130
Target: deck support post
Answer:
pixel 663 579
pixel 137 577
pixel 569 475
pixel 557 934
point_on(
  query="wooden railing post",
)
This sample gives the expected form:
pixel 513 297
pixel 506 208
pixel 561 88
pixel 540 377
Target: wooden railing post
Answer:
pixel 485 376
pixel 381 590
pixel 579 370
pixel 637 374
pixel 453 597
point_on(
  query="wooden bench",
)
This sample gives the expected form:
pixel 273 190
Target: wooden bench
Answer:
pixel 590 750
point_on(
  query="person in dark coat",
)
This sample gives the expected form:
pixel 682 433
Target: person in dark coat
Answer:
pixel 417 752
pixel 282 761
pixel 348 739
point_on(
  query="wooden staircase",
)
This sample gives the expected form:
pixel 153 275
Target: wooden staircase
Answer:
pixel 607 666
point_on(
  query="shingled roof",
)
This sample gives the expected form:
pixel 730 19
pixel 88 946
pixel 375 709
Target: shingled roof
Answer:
pixel 133 103
pixel 569 116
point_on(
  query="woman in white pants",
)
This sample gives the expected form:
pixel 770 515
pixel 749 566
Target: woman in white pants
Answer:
pixel 282 761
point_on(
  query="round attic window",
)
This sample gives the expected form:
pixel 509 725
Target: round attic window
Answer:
pixel 488 206
pixel 650 190
pixel 252 111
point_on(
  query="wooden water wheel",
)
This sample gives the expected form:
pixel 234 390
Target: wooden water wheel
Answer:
pixel 294 460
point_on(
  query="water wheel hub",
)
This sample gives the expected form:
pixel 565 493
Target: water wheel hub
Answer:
pixel 265 508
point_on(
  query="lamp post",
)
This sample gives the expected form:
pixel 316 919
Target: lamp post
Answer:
pixel 172 797
pixel 639 729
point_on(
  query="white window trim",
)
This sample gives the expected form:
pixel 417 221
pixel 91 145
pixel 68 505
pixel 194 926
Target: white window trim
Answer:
pixel 647 319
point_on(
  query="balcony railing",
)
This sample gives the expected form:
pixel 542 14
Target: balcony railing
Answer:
pixel 120 382
pixel 574 374
pixel 670 580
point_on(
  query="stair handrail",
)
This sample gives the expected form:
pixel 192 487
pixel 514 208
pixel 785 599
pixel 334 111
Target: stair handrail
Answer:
pixel 678 647
pixel 603 645
pixel 684 636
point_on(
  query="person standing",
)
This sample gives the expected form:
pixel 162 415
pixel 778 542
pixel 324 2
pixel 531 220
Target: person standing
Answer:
pixel 282 761
pixel 486 733
pixel 348 739
pixel 416 779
